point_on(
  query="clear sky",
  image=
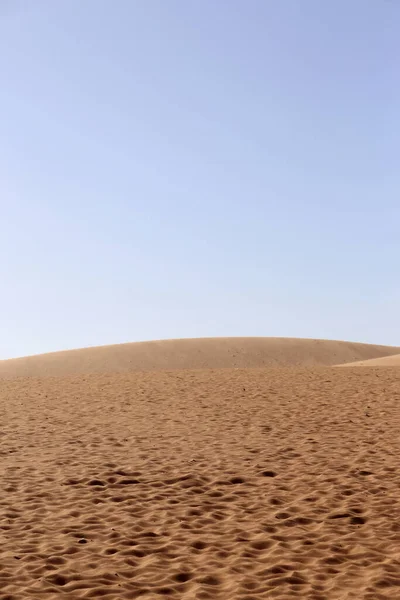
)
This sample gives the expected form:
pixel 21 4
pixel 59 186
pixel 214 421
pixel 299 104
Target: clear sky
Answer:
pixel 185 168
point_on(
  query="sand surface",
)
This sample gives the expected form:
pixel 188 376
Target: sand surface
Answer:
pixel 226 484
pixel 195 354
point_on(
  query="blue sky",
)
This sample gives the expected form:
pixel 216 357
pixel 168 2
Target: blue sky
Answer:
pixel 175 168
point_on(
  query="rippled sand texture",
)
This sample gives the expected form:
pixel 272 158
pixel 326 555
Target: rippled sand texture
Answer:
pixel 230 484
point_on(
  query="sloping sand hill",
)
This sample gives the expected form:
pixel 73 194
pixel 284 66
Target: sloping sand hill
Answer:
pixel 194 354
pixel 225 484
pixel 384 361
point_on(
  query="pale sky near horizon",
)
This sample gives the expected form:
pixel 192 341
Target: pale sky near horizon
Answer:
pixel 181 168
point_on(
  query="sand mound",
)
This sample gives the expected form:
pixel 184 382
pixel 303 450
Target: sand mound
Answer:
pixel 224 484
pixel 384 361
pixel 194 354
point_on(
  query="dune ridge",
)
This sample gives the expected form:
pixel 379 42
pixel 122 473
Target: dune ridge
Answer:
pixel 384 361
pixel 216 353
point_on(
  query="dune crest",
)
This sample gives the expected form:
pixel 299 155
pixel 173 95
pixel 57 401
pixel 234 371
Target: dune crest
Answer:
pixel 201 353
pixel 384 361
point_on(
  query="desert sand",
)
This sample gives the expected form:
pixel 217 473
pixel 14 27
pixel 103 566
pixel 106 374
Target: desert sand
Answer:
pixel 218 483
pixel 215 353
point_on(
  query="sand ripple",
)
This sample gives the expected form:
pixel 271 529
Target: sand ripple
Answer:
pixel 231 484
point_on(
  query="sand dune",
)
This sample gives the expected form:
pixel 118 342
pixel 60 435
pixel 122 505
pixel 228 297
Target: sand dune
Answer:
pixel 227 484
pixel 195 354
pixel 384 361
